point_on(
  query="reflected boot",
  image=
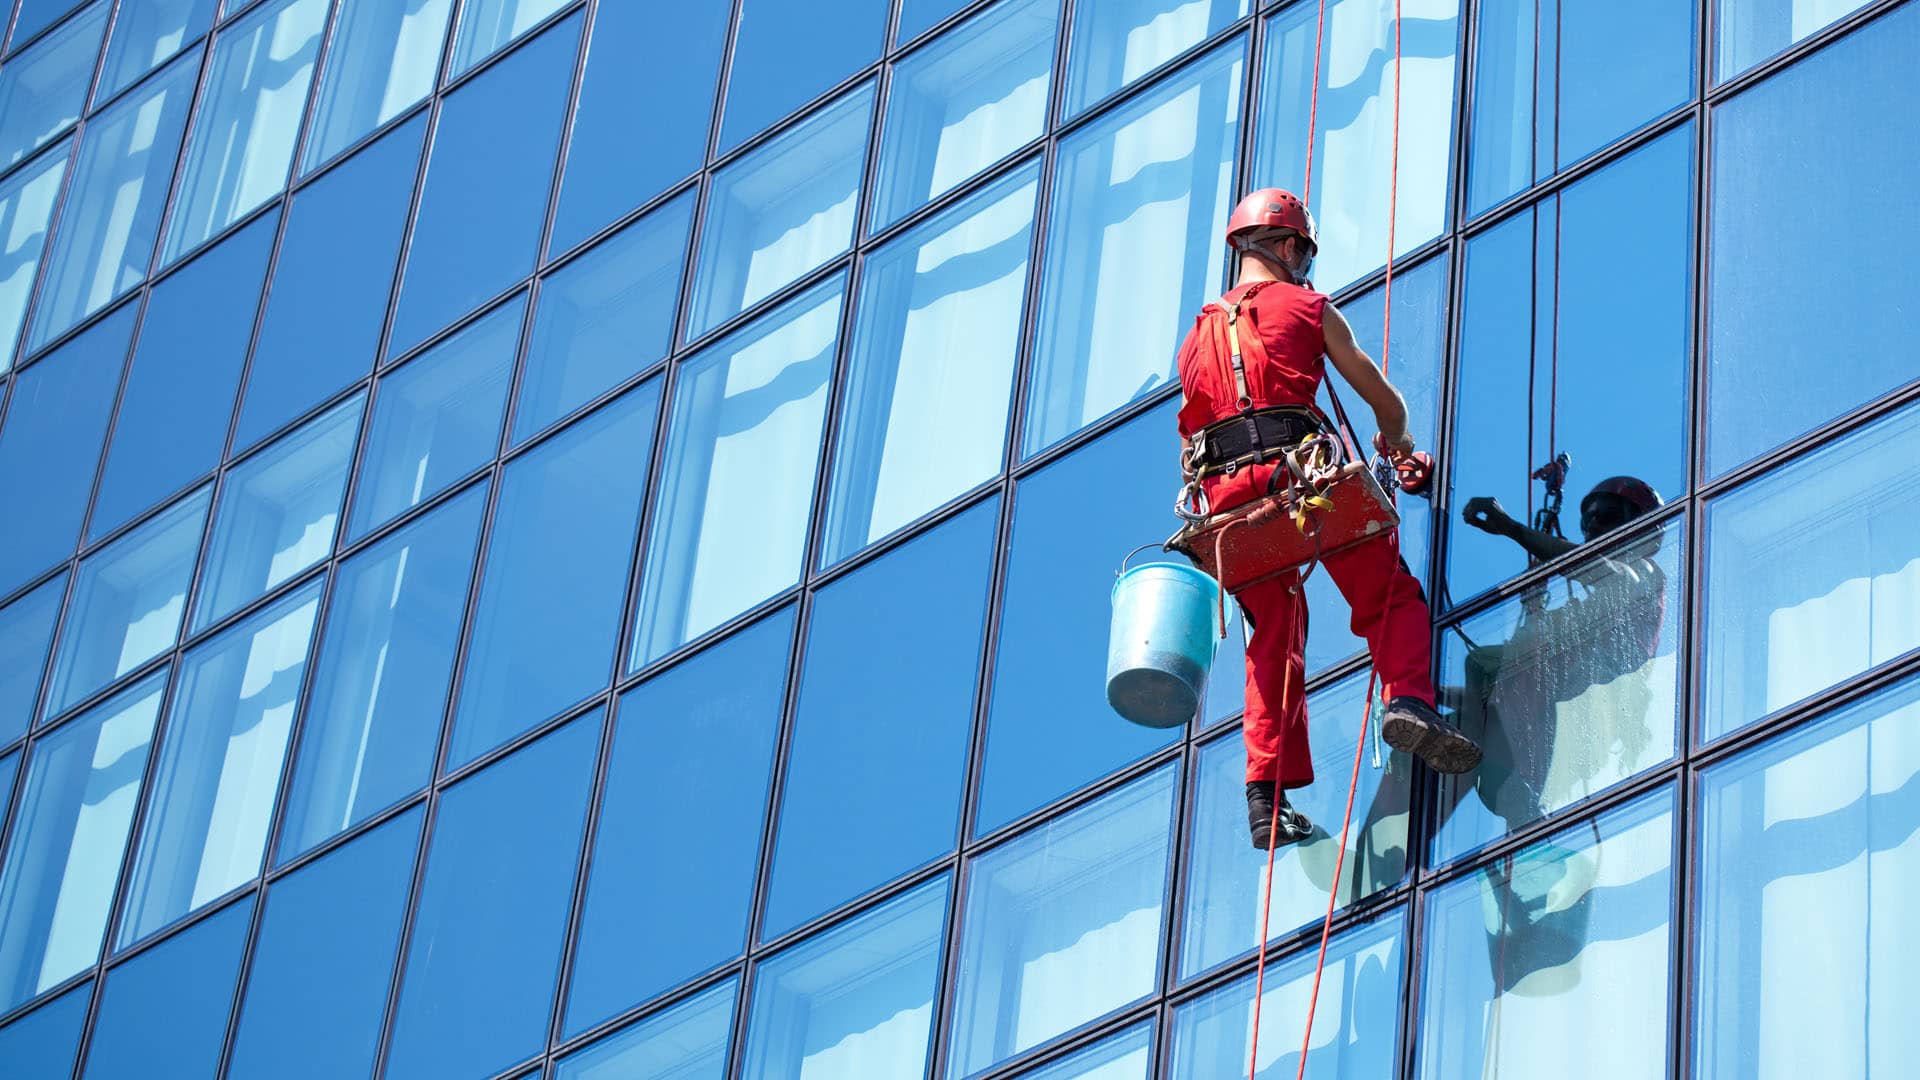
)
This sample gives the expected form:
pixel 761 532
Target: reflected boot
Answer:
pixel 1293 825
pixel 1411 725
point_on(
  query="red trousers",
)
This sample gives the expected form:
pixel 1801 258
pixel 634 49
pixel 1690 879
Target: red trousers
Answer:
pixel 1389 611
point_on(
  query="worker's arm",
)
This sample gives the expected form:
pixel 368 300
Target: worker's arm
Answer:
pixel 1355 366
pixel 1486 514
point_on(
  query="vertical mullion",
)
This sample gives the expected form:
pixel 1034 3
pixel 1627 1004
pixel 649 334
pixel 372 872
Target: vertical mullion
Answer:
pixel 289 756
pixel 1422 819
pixel 803 618
pixel 496 476
pixel 945 994
pixel 123 886
pixel 1692 649
pixel 302 698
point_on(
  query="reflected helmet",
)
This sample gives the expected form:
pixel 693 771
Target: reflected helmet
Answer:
pixel 1636 492
pixel 1270 208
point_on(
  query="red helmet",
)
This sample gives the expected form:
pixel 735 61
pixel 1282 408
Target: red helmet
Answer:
pixel 1271 208
pixel 1637 493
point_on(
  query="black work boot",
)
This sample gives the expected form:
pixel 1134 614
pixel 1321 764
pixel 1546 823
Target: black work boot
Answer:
pixel 1411 725
pixel 1293 825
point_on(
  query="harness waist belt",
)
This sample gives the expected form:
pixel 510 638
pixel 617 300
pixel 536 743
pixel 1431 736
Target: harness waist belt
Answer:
pixel 1252 437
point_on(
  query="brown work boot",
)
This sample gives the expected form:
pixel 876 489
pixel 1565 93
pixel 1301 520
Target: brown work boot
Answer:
pixel 1411 725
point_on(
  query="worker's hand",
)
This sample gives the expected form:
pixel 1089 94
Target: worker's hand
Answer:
pixel 1394 451
pixel 1485 513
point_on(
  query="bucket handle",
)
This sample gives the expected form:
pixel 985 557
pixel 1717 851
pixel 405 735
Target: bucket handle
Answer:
pixel 1220 624
pixel 1131 554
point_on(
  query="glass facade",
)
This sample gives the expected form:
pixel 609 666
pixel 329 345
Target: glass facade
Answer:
pixel 570 540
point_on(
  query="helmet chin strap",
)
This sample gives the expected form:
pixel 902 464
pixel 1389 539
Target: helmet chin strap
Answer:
pixel 1266 254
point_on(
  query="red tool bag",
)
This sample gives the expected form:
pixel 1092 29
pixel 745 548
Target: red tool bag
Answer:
pixel 1321 502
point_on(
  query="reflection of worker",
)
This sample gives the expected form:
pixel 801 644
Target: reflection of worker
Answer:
pixel 1250 370
pixel 1612 503
pixel 1559 654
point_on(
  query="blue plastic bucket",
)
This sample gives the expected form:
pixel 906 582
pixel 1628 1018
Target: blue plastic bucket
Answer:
pixel 1162 643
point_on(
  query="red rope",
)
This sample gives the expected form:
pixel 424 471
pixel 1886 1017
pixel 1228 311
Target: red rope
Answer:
pixel 1366 706
pixel 1273 832
pixel 1313 109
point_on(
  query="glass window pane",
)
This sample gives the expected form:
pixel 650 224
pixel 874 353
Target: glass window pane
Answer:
pixel 277 513
pixel 1356 1021
pixel 1812 128
pixel 37 15
pixel 45 1041
pixel 919 16
pixel 219 773
pixel 1417 363
pixel 1808 857
pixel 383 60
pixel 331 282
pixel 1062 925
pixel 733 509
pixel 26 633
pixel 69 840
pixel 26 209
pixel 854 1001
pixel 1555 82
pixel 1543 302
pixel 686 1042
pixel 1522 956
pixel 867 801
pixel 185 371
pixel 1749 31
pixel 242 142
pixel 1570 687
pixel 437 418
pixel 317 992
pixel 1126 1056
pixel 655 53
pixel 1227 874
pixel 485 953
pixel 965 102
pixel 55 423
pixel 112 210
pixel 1049 730
pixel 1133 249
pixel 1813 575
pixel 604 317
pixel 686 789
pixel 42 90
pixel 492 161
pixel 372 728
pixel 546 628
pixel 1353 140
pixel 486 26
pixel 932 365
pixel 781 211
pixel 147 33
pixel 1114 43
pixel 127 601
pixel 163 1015
pixel 785 55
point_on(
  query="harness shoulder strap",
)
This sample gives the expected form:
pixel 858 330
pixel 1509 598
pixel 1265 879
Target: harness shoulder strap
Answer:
pixel 1235 336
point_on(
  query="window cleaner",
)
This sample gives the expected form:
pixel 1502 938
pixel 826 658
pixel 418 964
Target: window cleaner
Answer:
pixel 1269 496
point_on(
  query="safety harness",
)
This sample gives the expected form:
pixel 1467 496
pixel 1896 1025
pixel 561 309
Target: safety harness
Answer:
pixel 1320 499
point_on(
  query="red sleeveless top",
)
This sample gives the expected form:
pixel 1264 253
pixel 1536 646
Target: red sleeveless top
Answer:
pixel 1287 319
